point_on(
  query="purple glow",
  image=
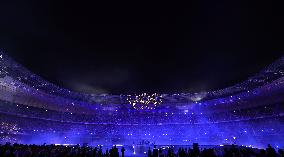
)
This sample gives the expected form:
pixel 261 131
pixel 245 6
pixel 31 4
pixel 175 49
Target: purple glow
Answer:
pixel 35 111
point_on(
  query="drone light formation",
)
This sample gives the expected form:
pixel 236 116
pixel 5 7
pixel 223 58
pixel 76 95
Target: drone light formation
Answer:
pixel 145 101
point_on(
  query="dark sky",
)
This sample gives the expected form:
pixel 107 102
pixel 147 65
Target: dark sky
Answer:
pixel 131 47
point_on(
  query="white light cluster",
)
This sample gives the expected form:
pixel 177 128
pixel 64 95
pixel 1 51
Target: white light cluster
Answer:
pixel 145 101
pixel 8 129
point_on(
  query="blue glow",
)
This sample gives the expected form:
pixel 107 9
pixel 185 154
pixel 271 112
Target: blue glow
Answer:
pixel 34 111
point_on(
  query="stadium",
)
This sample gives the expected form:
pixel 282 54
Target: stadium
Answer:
pixel 34 111
pixel 134 78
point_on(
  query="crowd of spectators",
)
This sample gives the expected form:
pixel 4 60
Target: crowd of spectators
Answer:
pixel 131 117
pixel 20 150
pixel 232 151
pixel 243 132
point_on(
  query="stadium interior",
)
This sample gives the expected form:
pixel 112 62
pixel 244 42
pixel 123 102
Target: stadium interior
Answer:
pixel 35 111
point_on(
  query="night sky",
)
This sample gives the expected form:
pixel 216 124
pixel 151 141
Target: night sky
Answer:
pixel 131 47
